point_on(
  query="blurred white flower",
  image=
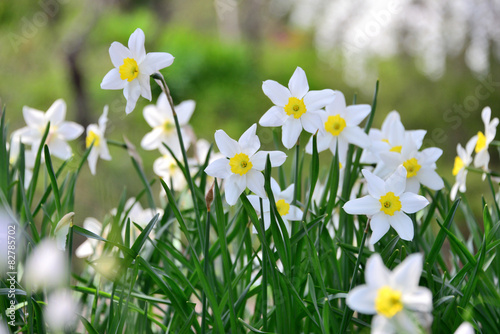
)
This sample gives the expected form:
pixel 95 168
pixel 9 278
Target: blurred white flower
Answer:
pixel 160 117
pixel 287 211
pixel 387 205
pixel 243 165
pixel 61 311
pixel 295 108
pixel 29 157
pixel 46 266
pixel 465 328
pixel 133 68
pixel 340 125
pixel 59 133
pixel 395 298
pixel 88 247
pixel 62 229
pixel 482 157
pixel 95 135
pixel 167 168
pixel 462 161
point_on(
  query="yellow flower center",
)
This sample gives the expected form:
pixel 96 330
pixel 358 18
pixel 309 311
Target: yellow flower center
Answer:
pixel 390 203
pixel 168 126
pixel 393 148
pixel 388 302
pixel 295 107
pixel 283 207
pixel 129 70
pixel 481 142
pixel 412 167
pixel 335 125
pixel 240 164
pixel 92 137
pixel 457 167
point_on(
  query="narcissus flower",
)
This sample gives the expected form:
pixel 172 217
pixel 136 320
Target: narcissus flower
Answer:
pixel 167 168
pixel 46 266
pixel 482 157
pixel 465 328
pixel 462 161
pixel 296 107
pixel 133 68
pixel 59 133
pixel 243 165
pixel 160 117
pixel 61 311
pixel 287 211
pixel 387 205
pixel 95 136
pixel 395 298
pixel 340 125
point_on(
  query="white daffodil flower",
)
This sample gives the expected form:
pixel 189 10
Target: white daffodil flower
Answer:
pixel 243 165
pixel 29 157
pixel 46 266
pixel 295 108
pixel 167 168
pixel 395 298
pixel 482 157
pixel 387 205
pixel 465 328
pixel 88 247
pixel 95 135
pixel 61 311
pixel 133 68
pixel 462 161
pixel 420 165
pixel 160 117
pixel 287 211
pixel 59 133
pixel 340 125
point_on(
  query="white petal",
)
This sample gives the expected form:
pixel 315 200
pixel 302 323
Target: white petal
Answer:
pixel 152 115
pixel 362 299
pixel 184 111
pixel 112 80
pixel 259 159
pixel 118 52
pixel 255 201
pixel 412 185
pixel 465 328
pixel 235 185
pixel 155 61
pixel 356 136
pixel 482 159
pixel 103 120
pixel 255 182
pixel 298 83
pixel 57 112
pixel 419 300
pixel 60 149
pixel 294 213
pixel 276 92
pixel 362 206
pixel 411 202
pixel 152 139
pixel 275 116
pixel 290 132
pixel 145 85
pixel 375 185
pixel 376 273
pixel 429 178
pixel 33 118
pixel 227 146
pixel 92 160
pixel 287 194
pixel 355 114
pixel 407 274
pixel 382 325
pixel 318 99
pixel 132 91
pixel 249 142
pixel 379 225
pixel 402 224
pixel 219 168
pixel 84 250
pixel 136 45
pixel 337 105
pixel 430 154
pixel 311 122
pixel 70 130
pixel 396 181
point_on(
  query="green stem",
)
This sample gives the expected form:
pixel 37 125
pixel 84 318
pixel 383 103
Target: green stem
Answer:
pixel 493 194
pixel 206 269
pixel 116 143
pixel 264 270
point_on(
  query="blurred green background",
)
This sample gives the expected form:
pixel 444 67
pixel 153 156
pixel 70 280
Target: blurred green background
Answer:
pixel 224 50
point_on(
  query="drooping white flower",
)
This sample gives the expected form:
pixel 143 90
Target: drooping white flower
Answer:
pixel 420 165
pixel 243 165
pixel 59 133
pixel 95 135
pixel 387 205
pixel 462 161
pixel 62 229
pixel 340 125
pixel 161 119
pixel 395 298
pixel 133 68
pixel 295 108
pixel 46 266
pixel 61 311
pixel 287 211
pixel 482 157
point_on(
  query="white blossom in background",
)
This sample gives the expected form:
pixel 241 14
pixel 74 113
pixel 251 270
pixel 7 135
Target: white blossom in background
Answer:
pixel 160 117
pixel 133 68
pixel 167 168
pixel 62 229
pixel 95 136
pixel 462 161
pixel 482 157
pixel 465 328
pixel 243 165
pixel 395 298
pixel 295 108
pixel 59 133
pixel 29 157
pixel 89 246
pixel 61 311
pixel 46 266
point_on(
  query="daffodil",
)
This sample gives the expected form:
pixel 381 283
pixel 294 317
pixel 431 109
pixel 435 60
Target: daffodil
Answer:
pixel 95 137
pixel 133 68
pixel 420 165
pixel 395 298
pixel 340 125
pixel 295 108
pixel 61 311
pixel 465 328
pixel 160 117
pixel 243 164
pixel 29 157
pixel 462 161
pixel 387 204
pixel 482 157
pixel 46 266
pixel 60 131
pixel 286 210
pixel 167 168
pixel 88 247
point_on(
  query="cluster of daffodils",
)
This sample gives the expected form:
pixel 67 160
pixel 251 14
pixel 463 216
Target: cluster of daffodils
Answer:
pixel 478 144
